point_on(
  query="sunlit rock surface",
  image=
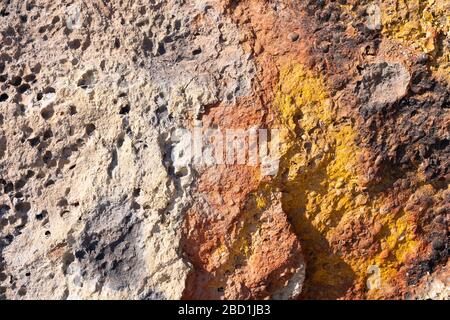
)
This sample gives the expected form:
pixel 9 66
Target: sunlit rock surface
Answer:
pixel 92 205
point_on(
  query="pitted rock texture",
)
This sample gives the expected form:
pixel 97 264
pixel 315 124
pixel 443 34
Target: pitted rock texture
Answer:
pixel 92 205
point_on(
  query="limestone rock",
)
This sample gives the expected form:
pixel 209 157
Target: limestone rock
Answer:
pixel 93 205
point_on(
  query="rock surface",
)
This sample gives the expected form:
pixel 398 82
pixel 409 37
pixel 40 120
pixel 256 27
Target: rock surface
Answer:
pixel 92 205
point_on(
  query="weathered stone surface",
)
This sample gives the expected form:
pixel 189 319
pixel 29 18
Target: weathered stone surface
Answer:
pixel 92 205
pixel 94 209
pixel 383 83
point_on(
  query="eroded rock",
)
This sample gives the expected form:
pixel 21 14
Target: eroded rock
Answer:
pixel 92 205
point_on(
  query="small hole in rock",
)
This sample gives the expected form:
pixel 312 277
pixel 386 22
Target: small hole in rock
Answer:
pixel 161 49
pixel 47 112
pixel 66 152
pixel 87 80
pixel 72 110
pixel 19 184
pixel 136 192
pixel 135 205
pixel 125 109
pixel 22 207
pixel 90 128
pixel 42 215
pixel 18 195
pixel 100 256
pixel 36 68
pixel 49 183
pixel 177 25
pixel 8 187
pixel 117 43
pixel 49 90
pixel 9 238
pixel 16 81
pixel 30 173
pixel 120 141
pixel 4 208
pixel 79 254
pixel 75 44
pixel 23 88
pixel 62 202
pixel 22 291
pixel 29 78
pixel 47 134
pixel 34 141
pixel 3 97
pixel 47 157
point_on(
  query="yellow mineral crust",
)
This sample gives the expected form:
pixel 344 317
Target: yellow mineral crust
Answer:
pixel 422 25
pixel 321 192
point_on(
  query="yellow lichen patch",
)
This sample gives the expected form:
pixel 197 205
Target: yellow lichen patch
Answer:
pixel 321 155
pixel 240 246
pixel 321 192
pixel 320 184
pixel 423 25
pixel 316 173
pixel 397 242
pixel 250 224
pixel 218 256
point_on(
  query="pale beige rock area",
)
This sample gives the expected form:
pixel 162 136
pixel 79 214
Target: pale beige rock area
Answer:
pixel 91 207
